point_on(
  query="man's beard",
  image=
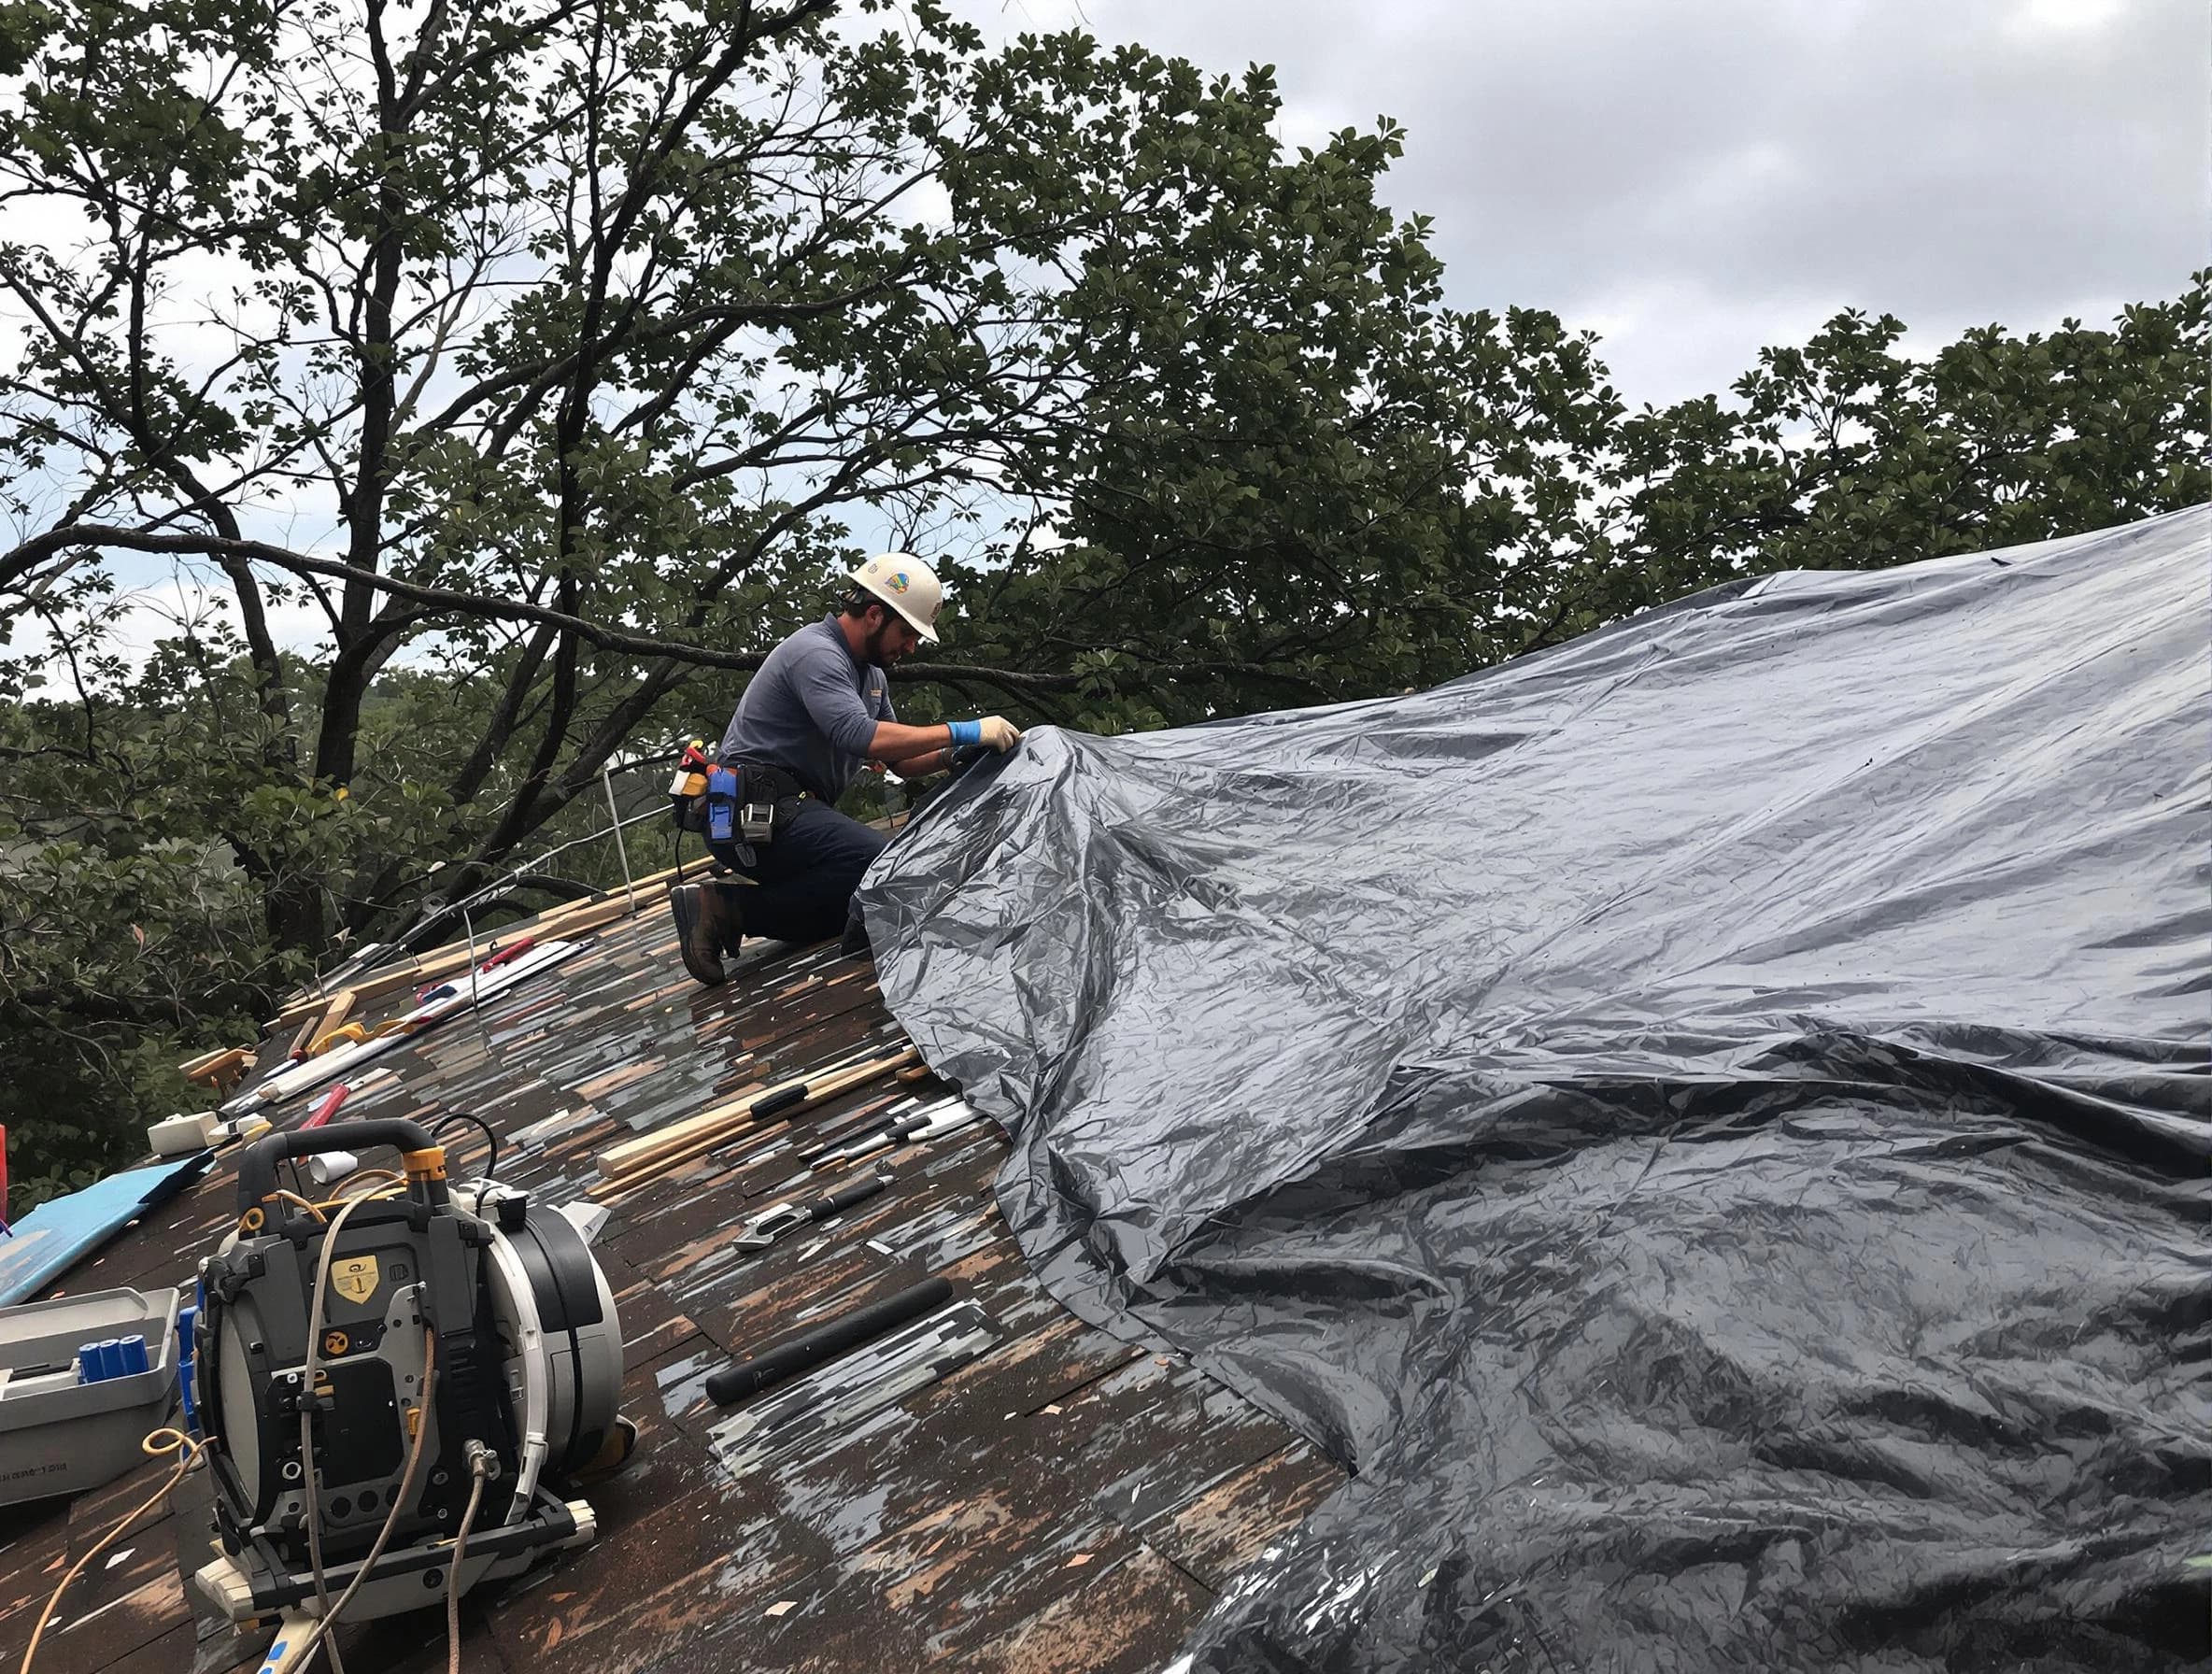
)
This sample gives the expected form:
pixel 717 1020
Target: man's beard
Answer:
pixel 879 651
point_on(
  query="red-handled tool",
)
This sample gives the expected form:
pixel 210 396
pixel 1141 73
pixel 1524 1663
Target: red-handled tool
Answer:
pixel 458 985
pixel 327 1108
pixel 513 950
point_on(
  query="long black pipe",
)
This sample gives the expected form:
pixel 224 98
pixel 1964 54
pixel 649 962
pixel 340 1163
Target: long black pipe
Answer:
pixel 819 1342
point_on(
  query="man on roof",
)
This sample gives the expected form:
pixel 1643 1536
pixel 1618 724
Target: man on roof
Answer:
pixel 819 708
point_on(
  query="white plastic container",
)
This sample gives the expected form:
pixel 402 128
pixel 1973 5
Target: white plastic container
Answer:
pixel 58 1436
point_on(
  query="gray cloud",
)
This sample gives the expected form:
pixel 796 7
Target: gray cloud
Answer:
pixel 1697 178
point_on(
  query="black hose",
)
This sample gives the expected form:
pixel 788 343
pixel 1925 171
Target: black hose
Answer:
pixel 491 1138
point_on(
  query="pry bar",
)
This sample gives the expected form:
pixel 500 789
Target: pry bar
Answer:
pixel 779 1218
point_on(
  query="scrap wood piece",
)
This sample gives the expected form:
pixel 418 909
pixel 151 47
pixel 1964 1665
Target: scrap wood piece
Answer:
pixel 796 1041
pixel 295 1012
pixel 432 967
pixel 712 1126
pixel 781 1164
pixel 766 1160
pixel 452 956
pixel 218 1069
pixel 693 1137
pixel 412 975
pixel 615 901
pixel 318 1028
pixel 579 916
pixel 668 876
pixel 194 1066
pixel 570 918
pixel 395 1031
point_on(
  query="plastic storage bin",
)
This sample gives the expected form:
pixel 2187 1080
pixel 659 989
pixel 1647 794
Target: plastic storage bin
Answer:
pixel 61 1436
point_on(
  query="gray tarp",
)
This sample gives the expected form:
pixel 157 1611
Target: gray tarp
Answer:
pixel 1709 1122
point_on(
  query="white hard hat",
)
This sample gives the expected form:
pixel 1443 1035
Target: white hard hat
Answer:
pixel 907 585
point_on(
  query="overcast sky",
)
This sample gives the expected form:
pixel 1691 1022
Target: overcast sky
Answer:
pixel 1696 179
pixel 1693 178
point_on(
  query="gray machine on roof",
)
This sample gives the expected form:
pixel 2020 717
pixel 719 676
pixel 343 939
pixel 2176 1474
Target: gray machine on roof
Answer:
pixel 465 1322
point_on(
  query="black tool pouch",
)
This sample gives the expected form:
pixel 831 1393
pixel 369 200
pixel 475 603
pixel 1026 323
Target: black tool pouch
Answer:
pixel 768 795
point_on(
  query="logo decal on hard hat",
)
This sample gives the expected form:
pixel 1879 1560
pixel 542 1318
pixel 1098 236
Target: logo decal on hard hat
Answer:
pixel 897 581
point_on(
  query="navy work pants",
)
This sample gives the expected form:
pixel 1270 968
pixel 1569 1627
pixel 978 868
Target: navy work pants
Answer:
pixel 806 875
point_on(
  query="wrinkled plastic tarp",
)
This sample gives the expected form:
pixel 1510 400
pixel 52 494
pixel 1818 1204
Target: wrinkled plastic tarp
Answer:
pixel 1709 1122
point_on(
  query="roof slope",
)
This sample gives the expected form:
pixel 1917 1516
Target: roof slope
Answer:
pixel 1064 1503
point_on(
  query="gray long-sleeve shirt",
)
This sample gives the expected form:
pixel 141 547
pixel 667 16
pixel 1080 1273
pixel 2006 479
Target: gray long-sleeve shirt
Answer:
pixel 811 709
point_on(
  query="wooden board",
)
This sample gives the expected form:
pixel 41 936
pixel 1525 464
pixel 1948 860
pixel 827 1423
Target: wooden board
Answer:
pixel 569 918
pixel 219 1068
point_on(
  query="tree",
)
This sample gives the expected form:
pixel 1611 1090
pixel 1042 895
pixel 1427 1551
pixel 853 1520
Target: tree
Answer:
pixel 616 313
pixel 1846 453
pixel 1296 475
pixel 553 350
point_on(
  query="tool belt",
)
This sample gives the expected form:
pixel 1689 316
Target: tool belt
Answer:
pixel 741 802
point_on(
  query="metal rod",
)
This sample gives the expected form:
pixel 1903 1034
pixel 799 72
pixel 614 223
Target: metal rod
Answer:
pixel 607 780
pixel 499 885
pixel 378 953
pixel 483 1030
pixel 825 1341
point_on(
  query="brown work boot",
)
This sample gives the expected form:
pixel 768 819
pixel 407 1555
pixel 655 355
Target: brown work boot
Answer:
pixel 707 921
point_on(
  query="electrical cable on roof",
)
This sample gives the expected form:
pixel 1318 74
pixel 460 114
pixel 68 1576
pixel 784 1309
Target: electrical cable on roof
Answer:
pixel 319 1300
pixel 491 1138
pixel 505 879
pixel 356 969
pixel 297 1657
pixel 153 1446
pixel 479 1475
